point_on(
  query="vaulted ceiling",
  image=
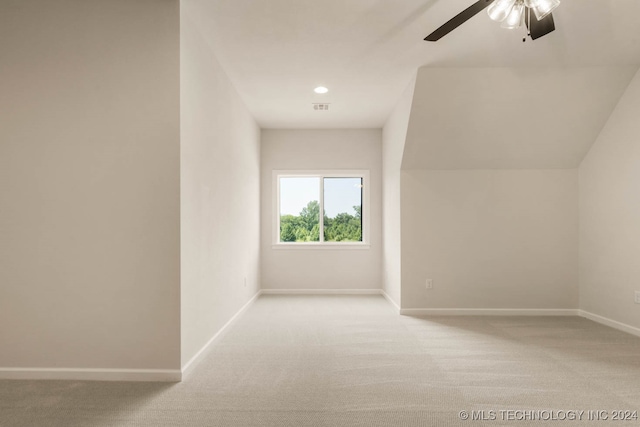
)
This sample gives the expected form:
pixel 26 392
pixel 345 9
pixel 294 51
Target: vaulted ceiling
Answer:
pixel 513 117
pixel 366 51
pixel 483 98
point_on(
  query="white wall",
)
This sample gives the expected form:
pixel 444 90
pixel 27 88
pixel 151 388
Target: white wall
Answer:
pixel 510 118
pixel 319 150
pixel 490 239
pixel 394 135
pixel 220 193
pixel 609 215
pixel 89 184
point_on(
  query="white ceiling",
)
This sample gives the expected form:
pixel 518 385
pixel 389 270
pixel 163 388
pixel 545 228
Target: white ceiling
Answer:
pixel 366 51
pixel 510 118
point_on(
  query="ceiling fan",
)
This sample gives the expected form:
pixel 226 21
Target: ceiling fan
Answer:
pixel 512 14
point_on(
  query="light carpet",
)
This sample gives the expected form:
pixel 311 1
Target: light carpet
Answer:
pixel 352 361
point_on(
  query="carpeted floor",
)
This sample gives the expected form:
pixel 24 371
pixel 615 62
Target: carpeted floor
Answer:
pixel 351 361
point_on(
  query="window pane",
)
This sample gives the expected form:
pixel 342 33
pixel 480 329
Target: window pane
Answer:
pixel 343 209
pixel 300 209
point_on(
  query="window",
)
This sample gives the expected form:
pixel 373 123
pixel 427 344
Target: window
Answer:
pixel 341 196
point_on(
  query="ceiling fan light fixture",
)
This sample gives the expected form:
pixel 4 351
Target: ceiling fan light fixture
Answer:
pixel 542 8
pixel 515 17
pixel 500 9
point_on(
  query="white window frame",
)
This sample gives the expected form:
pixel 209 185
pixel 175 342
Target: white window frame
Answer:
pixel 366 208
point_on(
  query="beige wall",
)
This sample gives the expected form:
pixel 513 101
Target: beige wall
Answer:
pixel 609 215
pixel 490 239
pixel 220 193
pixel 319 150
pixel 394 135
pixel 510 118
pixel 89 184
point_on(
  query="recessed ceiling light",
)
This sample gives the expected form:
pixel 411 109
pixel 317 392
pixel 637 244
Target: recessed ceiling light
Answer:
pixel 321 90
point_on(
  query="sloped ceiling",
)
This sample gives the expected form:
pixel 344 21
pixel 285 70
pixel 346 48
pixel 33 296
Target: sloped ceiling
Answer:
pixel 483 99
pixel 510 118
pixel 366 51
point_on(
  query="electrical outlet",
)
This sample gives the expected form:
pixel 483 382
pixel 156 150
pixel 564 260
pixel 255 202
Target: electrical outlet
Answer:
pixel 637 297
pixel 429 284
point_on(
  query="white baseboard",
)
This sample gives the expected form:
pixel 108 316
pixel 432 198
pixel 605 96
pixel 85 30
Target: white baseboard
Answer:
pixel 79 374
pixel 321 291
pixel 187 367
pixel 487 312
pixel 611 323
pixel 82 374
pixel 391 301
pixel 170 375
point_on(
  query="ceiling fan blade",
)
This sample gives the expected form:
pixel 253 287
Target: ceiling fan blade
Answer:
pixel 458 20
pixel 539 28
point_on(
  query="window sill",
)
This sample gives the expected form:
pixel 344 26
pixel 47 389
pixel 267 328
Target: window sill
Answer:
pixel 321 246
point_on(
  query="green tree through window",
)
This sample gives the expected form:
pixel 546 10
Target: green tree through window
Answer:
pixel 345 227
pixel 340 198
